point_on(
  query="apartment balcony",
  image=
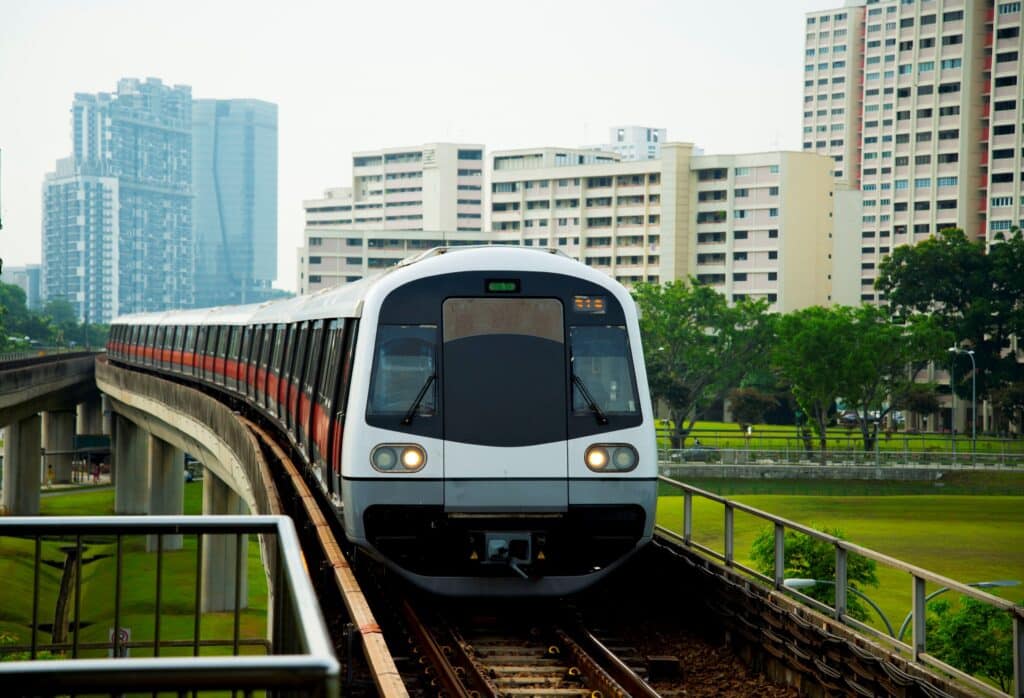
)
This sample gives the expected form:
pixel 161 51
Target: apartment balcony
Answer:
pixel 1007 45
pixel 538 194
pixel 1009 68
pixel 402 197
pixel 926 54
pixel 1008 92
pixel 1005 140
pixel 504 197
pixel 599 212
pixel 401 167
pixel 631 210
pixel 600 251
pixel 949 121
pixel 950 98
pixel 987 64
pixel 922 216
pixel 506 216
pixel 597 191
pixel 471 209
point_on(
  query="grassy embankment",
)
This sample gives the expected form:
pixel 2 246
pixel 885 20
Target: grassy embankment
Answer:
pixel 138 584
pixel 960 534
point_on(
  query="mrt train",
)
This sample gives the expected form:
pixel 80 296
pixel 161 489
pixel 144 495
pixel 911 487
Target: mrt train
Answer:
pixel 479 417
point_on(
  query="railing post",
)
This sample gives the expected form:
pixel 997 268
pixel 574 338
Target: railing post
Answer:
pixel 728 533
pixel 918 609
pixel 780 555
pixel 687 516
pixel 1018 656
pixel 840 582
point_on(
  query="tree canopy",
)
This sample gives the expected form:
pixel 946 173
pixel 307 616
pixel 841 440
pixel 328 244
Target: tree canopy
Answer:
pixel 697 346
pixel 973 291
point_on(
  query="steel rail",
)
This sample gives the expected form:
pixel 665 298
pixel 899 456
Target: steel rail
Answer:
pixel 382 665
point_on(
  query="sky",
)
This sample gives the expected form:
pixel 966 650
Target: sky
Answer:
pixel 351 76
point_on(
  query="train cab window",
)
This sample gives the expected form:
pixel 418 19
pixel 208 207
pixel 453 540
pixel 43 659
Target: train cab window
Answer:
pixel 405 365
pixel 602 370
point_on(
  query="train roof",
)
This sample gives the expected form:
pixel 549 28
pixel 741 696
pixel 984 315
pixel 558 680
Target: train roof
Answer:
pixel 347 300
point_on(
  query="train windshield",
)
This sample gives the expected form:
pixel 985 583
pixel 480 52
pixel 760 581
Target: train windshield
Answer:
pixel 602 370
pixel 404 366
pixel 504 371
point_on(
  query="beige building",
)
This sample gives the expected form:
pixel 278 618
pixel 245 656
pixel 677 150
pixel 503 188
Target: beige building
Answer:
pixel 754 225
pixel 394 192
pixel 938 127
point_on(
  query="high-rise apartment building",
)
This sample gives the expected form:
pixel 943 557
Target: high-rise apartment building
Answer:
pixel 134 145
pixel 234 180
pixel 436 188
pixel 635 142
pixel 753 225
pixel 938 142
pixel 81 252
pixel 28 278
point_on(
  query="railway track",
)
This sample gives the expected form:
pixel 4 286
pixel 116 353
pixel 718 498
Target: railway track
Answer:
pixel 430 647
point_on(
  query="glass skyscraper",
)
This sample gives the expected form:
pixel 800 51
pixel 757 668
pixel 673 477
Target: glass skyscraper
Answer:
pixel 234 178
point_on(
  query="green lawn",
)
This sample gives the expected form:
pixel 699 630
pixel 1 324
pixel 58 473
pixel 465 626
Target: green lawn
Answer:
pixel 138 583
pixel 780 437
pixel 967 538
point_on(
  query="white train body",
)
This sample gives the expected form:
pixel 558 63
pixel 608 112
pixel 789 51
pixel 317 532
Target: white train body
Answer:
pixel 480 417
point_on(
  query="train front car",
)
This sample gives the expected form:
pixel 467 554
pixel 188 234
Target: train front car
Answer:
pixel 500 438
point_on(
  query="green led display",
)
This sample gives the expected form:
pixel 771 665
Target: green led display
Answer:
pixel 503 286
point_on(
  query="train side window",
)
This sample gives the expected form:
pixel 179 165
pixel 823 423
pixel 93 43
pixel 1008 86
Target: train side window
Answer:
pixel 245 346
pixel 235 345
pixel 275 362
pixel 222 342
pixel 331 358
pixel 299 362
pixel 352 330
pixel 316 341
pixel 289 349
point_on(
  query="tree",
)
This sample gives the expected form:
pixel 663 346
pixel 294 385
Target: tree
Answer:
pixel 811 558
pixel 749 405
pixel 810 348
pixel 63 317
pixel 973 292
pixel 975 637
pixel 879 370
pixel 697 346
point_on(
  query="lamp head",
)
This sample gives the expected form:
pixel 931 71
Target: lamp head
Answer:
pixel 799 583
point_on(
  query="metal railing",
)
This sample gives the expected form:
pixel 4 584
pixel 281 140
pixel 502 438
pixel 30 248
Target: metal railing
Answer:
pixel 297 657
pixel 916 649
pixel 39 352
pixel 882 458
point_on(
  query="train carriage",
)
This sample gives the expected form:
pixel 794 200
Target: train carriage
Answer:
pixel 479 417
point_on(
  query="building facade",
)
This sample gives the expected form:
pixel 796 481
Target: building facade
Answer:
pixel 135 144
pixel 234 179
pixel 28 278
pixel 437 188
pixel 754 225
pixel 635 142
pixel 81 255
pixel 937 140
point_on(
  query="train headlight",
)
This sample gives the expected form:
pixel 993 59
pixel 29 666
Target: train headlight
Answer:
pixel 596 457
pixel 604 458
pixel 398 458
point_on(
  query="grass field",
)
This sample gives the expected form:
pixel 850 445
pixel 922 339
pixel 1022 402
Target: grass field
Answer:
pixel 780 437
pixel 967 538
pixel 138 583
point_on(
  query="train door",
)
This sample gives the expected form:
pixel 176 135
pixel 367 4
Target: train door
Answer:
pixel 348 342
pixel 504 403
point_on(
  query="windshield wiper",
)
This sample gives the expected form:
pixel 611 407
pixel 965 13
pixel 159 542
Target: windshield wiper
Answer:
pixel 578 382
pixel 407 419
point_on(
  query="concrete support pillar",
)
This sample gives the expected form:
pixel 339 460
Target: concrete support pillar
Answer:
pixel 220 552
pixel 58 440
pixel 22 467
pixel 131 458
pixel 108 415
pixel 166 487
pixel 90 417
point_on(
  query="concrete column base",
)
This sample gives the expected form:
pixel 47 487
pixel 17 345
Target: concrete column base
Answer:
pixel 58 440
pixel 219 552
pixel 22 467
pixel 131 474
pixel 166 478
pixel 89 417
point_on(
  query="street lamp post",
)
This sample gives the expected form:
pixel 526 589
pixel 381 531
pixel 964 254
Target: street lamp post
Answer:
pixel 943 590
pixel 799 583
pixel 974 396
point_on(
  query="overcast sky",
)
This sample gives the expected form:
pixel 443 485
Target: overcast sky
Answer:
pixel 353 76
